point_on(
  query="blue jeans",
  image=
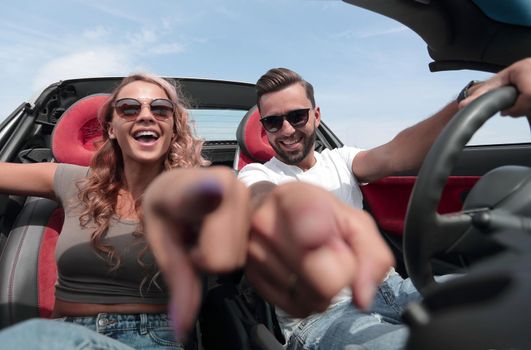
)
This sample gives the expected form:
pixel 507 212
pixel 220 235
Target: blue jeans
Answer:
pixel 140 331
pixel 43 334
pixel 344 327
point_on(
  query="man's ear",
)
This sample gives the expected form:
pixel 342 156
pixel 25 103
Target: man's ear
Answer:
pixel 317 113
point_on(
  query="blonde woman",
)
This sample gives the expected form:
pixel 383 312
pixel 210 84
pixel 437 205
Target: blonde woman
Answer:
pixel 108 280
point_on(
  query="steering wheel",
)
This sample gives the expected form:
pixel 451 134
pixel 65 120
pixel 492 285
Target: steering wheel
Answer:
pixel 428 233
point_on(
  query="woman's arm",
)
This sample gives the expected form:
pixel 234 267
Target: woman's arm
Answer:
pixel 28 179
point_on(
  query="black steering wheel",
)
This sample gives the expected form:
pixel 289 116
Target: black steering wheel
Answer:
pixel 428 233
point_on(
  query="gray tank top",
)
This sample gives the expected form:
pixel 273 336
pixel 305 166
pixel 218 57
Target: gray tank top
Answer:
pixel 84 275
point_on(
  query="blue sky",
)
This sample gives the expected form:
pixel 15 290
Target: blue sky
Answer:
pixel 370 73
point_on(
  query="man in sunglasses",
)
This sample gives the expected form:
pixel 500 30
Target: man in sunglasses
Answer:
pixel 310 238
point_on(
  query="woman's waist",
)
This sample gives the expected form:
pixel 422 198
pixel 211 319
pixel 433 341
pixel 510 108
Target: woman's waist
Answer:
pixel 64 308
pixel 99 292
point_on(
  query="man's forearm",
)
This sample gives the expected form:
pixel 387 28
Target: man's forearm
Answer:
pixel 409 148
pixel 405 151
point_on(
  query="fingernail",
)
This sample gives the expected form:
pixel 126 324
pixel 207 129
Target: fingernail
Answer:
pixel 208 186
pixel 173 315
pixel 209 191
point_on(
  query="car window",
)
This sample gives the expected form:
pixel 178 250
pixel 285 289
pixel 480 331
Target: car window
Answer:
pixel 216 124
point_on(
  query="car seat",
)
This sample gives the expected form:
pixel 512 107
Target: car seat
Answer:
pixel 27 263
pixel 253 146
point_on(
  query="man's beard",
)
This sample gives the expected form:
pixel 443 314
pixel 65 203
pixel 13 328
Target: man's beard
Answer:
pixel 308 144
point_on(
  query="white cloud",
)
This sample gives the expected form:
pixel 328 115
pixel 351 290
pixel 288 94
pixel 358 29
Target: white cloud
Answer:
pixel 77 56
pixel 91 63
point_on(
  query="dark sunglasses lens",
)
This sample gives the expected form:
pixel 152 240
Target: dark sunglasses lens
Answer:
pixel 272 123
pixel 298 117
pixel 162 108
pixel 128 107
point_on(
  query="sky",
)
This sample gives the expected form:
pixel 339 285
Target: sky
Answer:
pixel 370 73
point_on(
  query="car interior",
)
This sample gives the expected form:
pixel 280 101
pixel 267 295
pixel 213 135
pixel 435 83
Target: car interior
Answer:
pixel 464 212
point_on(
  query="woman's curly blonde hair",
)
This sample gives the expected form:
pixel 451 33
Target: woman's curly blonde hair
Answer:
pixel 99 191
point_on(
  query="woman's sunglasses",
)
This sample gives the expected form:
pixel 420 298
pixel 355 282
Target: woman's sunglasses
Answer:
pixel 297 118
pixel 130 108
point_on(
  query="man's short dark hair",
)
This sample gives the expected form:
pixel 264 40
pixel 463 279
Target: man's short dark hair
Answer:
pixel 279 78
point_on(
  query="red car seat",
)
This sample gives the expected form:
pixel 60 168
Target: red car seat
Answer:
pixel 27 263
pixel 253 145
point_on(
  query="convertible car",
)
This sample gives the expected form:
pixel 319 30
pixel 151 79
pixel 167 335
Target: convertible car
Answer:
pixel 467 211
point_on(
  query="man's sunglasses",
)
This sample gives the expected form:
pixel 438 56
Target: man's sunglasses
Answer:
pixel 130 108
pixel 297 118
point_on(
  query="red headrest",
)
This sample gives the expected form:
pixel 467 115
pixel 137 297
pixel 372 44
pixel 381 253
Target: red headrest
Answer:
pixel 252 140
pixel 77 134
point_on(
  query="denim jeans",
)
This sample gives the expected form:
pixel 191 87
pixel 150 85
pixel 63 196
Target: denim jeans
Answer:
pixel 44 334
pixel 140 331
pixel 344 327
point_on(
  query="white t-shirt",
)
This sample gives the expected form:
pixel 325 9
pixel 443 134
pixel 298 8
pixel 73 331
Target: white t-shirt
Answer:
pixel 333 171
